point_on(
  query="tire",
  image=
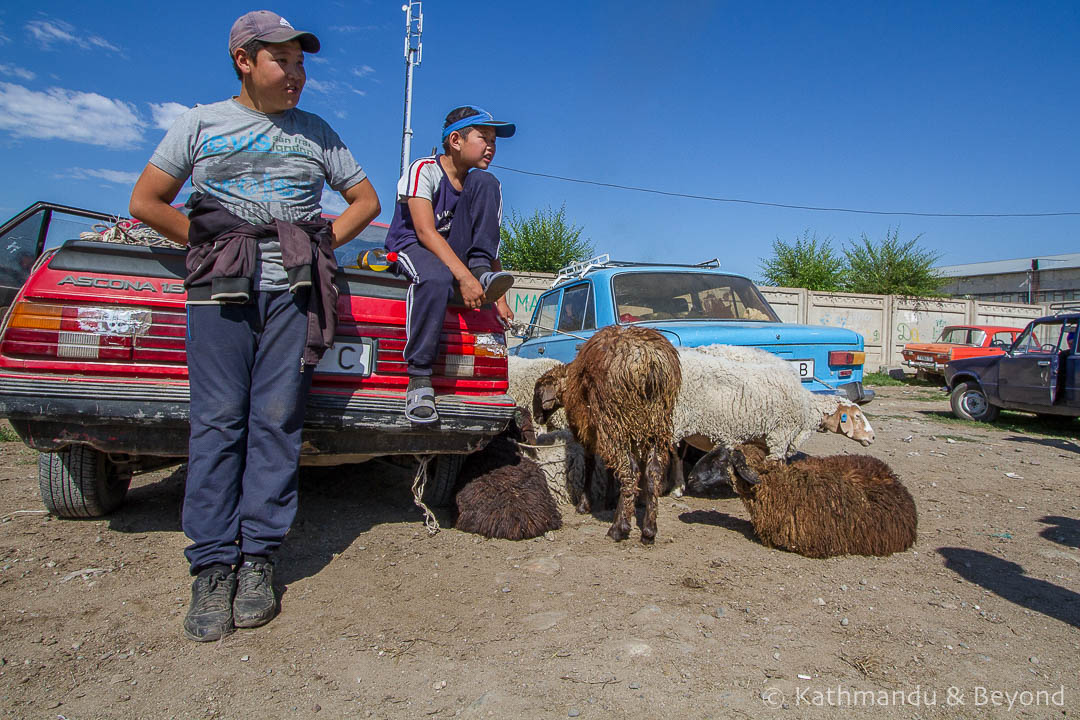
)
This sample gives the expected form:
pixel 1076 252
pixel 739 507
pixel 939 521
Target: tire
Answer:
pixel 969 402
pixel 442 477
pixel 80 482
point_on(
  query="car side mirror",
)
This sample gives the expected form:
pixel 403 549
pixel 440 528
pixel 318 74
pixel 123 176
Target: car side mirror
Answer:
pixel 520 330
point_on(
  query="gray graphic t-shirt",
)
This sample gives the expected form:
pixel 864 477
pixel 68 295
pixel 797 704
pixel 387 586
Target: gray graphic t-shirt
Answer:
pixel 261 167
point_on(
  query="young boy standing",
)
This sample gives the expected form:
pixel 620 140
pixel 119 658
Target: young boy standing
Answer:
pixel 445 232
pixel 261 306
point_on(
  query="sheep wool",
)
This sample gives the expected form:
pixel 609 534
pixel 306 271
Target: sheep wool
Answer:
pixel 619 395
pixel 506 495
pixel 523 373
pixel 732 394
pixel 825 506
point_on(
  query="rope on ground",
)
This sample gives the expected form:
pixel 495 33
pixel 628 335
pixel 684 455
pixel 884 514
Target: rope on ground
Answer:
pixel 418 484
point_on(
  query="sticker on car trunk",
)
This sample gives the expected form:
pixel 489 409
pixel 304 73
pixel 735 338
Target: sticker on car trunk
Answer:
pixel 348 357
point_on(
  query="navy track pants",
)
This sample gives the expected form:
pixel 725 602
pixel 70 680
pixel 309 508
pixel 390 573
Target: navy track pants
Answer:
pixel 248 395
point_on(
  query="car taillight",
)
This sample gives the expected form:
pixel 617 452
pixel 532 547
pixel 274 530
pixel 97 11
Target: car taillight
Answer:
pixel 845 357
pixel 91 332
pixel 476 356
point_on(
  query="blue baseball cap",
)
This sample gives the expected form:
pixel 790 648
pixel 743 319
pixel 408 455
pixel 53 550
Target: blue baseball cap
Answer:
pixel 481 118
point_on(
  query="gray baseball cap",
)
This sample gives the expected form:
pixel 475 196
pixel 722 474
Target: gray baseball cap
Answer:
pixel 271 28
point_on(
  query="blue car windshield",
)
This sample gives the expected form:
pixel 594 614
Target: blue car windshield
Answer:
pixel 663 295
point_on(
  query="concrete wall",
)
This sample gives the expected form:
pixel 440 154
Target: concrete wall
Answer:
pixel 527 288
pixel 886 322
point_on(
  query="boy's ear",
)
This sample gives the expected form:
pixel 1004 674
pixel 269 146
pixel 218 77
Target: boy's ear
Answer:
pixel 243 60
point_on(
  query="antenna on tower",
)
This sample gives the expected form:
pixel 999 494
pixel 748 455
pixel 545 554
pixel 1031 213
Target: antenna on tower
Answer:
pixel 414 51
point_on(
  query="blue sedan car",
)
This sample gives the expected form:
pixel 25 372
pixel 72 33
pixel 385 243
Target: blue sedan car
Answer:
pixel 692 305
pixel 1040 373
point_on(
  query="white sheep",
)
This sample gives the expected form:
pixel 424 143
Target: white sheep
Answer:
pixel 730 394
pixel 733 394
pixel 523 373
pixel 562 459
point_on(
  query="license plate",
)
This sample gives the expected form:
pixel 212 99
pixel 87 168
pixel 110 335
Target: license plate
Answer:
pixel 348 357
pixel 927 358
pixel 803 368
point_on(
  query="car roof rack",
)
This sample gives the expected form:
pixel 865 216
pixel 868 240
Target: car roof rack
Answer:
pixel 580 269
pixel 1065 306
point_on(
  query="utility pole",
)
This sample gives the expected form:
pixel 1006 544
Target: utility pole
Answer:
pixel 414 51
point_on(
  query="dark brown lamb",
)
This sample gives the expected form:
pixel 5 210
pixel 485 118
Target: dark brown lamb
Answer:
pixel 619 395
pixel 825 506
pixel 506 495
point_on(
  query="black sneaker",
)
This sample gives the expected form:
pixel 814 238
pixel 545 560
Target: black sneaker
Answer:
pixel 254 604
pixel 210 616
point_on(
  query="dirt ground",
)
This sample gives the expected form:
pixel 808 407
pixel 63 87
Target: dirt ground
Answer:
pixel 380 620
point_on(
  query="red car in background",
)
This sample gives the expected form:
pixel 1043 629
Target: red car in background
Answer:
pixel 93 371
pixel 956 342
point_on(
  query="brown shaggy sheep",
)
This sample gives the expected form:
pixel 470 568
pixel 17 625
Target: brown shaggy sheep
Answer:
pixel 619 395
pixel 506 495
pixel 824 506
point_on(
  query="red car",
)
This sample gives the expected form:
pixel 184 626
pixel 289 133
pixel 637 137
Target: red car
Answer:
pixel 93 371
pixel 956 342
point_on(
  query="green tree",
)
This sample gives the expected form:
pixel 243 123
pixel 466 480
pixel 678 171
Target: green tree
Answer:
pixel 808 263
pixel 542 242
pixel 892 267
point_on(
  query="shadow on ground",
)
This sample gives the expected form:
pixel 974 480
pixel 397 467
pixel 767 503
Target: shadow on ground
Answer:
pixel 337 505
pixel 1007 580
pixel 1063 530
pixel 1056 443
pixel 720 519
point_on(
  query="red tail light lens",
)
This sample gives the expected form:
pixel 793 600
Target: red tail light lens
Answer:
pixel 91 332
pixel 843 357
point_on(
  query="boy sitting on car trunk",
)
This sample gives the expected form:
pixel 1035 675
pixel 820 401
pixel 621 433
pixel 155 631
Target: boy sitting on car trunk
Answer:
pixel 261 306
pixel 446 232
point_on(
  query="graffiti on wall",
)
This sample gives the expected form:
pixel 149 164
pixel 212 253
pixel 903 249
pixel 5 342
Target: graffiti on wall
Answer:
pixel 522 302
pixel 865 322
pixel 917 326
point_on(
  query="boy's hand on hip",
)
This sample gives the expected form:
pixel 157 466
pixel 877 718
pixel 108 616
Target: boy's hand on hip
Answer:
pixel 471 292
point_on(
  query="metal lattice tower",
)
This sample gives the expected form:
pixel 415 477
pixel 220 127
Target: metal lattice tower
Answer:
pixel 414 51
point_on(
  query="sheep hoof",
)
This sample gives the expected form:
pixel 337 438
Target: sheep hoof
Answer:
pixel 583 507
pixel 648 538
pixel 618 534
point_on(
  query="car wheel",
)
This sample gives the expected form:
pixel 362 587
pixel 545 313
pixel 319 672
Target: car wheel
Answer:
pixel 79 482
pixel 442 474
pixel 969 403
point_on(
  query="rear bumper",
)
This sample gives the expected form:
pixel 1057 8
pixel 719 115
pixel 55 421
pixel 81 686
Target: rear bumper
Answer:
pixel 929 366
pixel 152 419
pixel 856 393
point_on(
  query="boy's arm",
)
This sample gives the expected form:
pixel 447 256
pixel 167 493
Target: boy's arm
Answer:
pixel 423 217
pixel 363 208
pixel 151 202
pixel 501 305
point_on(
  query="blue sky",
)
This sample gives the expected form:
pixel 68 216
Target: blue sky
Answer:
pixel 916 106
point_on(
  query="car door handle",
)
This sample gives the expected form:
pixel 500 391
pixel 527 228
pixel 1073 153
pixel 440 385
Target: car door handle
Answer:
pixel 1044 363
pixel 579 346
pixel 540 350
